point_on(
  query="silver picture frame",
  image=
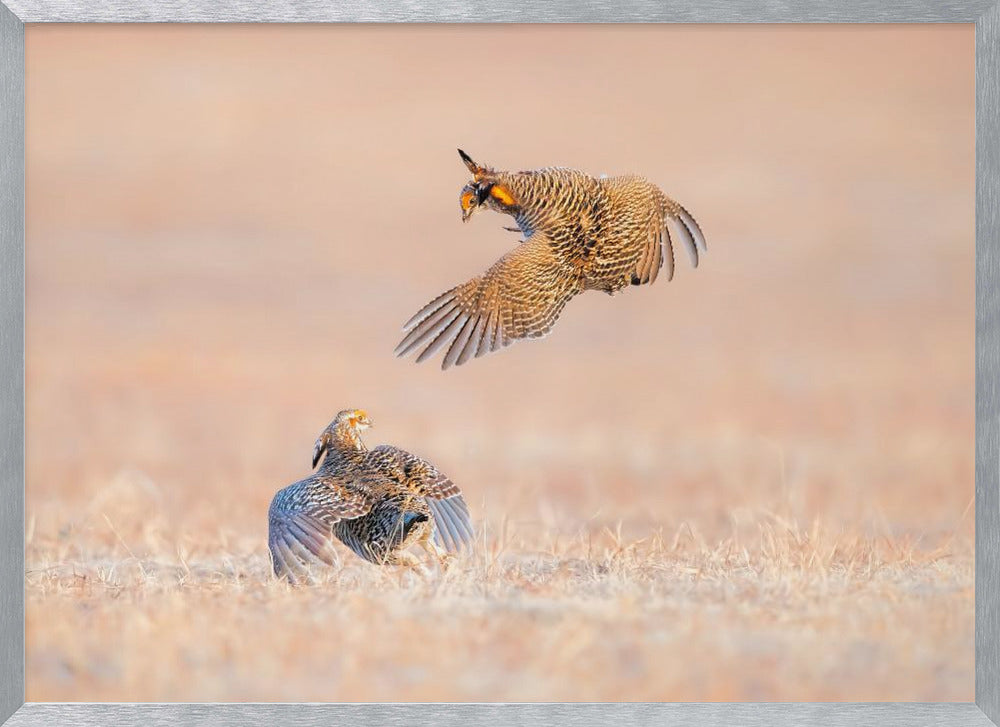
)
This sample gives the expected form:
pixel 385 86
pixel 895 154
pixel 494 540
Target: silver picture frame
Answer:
pixel 986 16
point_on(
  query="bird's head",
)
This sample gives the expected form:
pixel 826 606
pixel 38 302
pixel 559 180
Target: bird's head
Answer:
pixel 471 200
pixel 355 418
pixel 343 432
pixel 483 191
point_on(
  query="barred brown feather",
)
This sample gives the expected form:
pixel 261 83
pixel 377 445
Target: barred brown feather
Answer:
pixel 580 233
pixel 377 502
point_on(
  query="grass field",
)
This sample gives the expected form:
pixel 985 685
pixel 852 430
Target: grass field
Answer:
pixel 754 482
pixel 788 614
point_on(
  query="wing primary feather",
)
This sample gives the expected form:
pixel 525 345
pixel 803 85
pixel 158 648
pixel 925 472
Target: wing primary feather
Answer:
pixel 458 344
pixel 442 338
pixel 461 504
pixel 693 227
pixel 305 556
pixel 289 561
pixel 486 340
pixel 427 328
pixel 472 345
pixel 428 309
pixel 447 530
pixel 316 546
pixel 687 239
pixel 502 339
pixel 314 526
pixel 496 330
pixel 454 526
pixel 466 518
pixel 444 528
pixel 298 532
pixel 460 518
pixel 288 542
pixel 519 296
pixel 668 252
pixel 278 564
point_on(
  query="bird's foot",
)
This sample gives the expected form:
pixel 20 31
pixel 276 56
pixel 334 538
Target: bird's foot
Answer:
pixel 436 552
pixel 412 563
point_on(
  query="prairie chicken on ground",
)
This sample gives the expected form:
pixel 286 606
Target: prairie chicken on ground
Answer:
pixel 378 502
pixel 580 233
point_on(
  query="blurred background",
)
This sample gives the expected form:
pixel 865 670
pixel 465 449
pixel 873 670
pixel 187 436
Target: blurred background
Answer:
pixel 227 227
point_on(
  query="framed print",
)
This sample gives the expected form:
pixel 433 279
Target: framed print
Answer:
pixel 536 365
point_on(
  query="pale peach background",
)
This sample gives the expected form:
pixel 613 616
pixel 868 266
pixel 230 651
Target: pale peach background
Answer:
pixel 227 226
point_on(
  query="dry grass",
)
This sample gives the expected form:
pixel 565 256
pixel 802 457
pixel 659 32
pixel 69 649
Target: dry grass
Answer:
pixel 781 613
pixel 754 482
pixel 124 602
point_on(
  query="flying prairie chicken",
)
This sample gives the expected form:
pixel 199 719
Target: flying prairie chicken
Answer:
pixel 580 233
pixel 377 502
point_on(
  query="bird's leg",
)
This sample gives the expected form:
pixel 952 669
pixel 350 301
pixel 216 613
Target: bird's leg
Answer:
pixel 412 562
pixel 435 551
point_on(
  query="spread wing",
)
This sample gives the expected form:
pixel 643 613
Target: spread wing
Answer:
pixel 302 517
pixel 521 296
pixel 659 250
pixel 451 514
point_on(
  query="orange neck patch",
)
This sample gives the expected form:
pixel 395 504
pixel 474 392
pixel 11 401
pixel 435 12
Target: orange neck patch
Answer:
pixel 501 195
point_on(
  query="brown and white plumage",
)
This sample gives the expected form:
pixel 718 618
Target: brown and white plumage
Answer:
pixel 378 502
pixel 580 233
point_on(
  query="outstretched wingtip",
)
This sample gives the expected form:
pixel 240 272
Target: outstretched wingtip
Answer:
pixel 428 309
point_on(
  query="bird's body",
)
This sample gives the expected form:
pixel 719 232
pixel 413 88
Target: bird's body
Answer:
pixel 378 502
pixel 580 233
